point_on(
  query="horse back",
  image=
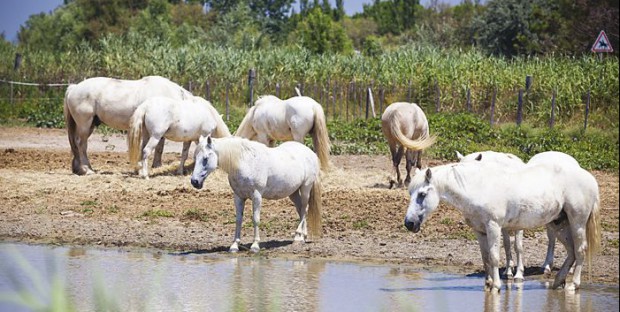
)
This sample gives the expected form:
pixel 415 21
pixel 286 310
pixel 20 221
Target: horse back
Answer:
pixel 408 117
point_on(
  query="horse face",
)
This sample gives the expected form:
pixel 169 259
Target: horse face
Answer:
pixel 205 162
pixel 424 198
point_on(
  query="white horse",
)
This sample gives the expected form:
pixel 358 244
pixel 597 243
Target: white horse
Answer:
pixel 112 102
pixel 272 119
pixel 510 160
pixel 176 120
pixel 492 197
pixel 405 127
pixel 256 171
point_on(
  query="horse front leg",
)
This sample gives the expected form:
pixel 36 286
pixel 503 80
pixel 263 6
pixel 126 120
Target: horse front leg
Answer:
pixel 484 252
pixel 493 238
pixel 184 154
pixel 508 253
pixel 518 278
pixel 257 200
pixel 159 150
pixel 239 204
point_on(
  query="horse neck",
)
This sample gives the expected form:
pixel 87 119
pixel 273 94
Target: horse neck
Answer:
pixel 229 152
pixel 451 183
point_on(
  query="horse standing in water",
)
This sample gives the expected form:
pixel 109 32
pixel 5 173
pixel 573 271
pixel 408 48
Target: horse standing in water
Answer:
pixel 493 197
pixel 512 161
pixel 405 127
pixel 272 119
pixel 176 120
pixel 258 172
pixel 112 102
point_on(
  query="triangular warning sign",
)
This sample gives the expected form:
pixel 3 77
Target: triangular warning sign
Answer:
pixel 602 44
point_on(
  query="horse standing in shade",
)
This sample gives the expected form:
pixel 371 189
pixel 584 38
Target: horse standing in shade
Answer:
pixel 258 172
pixel 272 119
pixel 405 127
pixel 176 120
pixel 112 102
pixel 493 197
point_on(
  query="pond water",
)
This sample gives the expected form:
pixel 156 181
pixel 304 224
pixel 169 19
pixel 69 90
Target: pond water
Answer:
pixel 110 279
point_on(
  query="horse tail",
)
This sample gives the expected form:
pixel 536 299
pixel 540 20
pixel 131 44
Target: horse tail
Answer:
pixel 135 134
pixel 221 129
pixel 593 233
pixel 245 129
pixel 320 137
pixel 419 144
pixel 314 209
pixel 71 129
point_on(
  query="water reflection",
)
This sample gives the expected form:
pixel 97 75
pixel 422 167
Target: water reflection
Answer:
pixel 99 279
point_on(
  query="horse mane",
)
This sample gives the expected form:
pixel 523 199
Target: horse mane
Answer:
pixel 230 150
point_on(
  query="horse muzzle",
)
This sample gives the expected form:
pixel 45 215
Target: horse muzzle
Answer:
pixel 412 226
pixel 197 183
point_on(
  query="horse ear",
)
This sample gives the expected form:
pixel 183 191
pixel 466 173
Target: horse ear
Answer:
pixel 479 157
pixel 459 155
pixel 428 175
pixel 209 141
pixel 200 139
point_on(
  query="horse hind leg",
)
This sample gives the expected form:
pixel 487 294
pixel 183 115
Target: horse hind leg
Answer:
pixel 563 234
pixel 548 264
pixel 397 155
pixel 519 252
pixel 82 165
pixel 257 201
pixel 184 154
pixel 411 159
pixel 146 152
pixel 159 150
pixel 300 200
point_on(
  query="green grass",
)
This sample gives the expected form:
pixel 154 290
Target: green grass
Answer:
pixel 155 213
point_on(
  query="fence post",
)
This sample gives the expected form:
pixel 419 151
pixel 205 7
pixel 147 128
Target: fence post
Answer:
pixel 18 61
pixel 277 89
pixel 437 96
pixel 552 120
pixel 493 105
pixel 251 76
pixel 409 91
pixel 520 108
pixel 468 100
pixel 585 122
pixel 227 102
pixel 208 91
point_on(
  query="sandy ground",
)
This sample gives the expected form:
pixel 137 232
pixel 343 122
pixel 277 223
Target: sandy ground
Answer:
pixel 41 201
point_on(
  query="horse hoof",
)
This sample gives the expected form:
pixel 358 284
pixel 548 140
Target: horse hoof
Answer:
pixel 254 249
pixel 233 249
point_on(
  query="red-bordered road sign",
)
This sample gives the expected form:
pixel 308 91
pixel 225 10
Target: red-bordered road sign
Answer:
pixel 602 43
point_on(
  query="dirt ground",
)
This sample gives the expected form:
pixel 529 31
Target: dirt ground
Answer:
pixel 41 201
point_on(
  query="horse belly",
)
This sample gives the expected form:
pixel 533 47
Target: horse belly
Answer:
pixel 531 214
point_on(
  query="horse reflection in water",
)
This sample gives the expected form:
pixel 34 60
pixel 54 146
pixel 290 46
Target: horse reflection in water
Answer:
pixel 256 171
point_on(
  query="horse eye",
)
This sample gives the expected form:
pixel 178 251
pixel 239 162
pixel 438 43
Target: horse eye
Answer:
pixel 205 161
pixel 420 198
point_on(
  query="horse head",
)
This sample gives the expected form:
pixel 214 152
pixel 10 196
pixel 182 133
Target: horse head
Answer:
pixel 424 199
pixel 205 161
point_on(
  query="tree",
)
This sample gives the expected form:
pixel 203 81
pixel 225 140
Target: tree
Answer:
pixel 319 34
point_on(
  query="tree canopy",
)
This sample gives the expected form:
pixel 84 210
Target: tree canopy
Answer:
pixel 499 27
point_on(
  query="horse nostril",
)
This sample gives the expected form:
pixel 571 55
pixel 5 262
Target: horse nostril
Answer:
pixel 195 183
pixel 409 225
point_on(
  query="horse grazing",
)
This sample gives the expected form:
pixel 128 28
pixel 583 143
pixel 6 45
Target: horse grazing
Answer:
pixel 176 120
pixel 492 197
pixel 256 171
pixel 112 102
pixel 405 127
pixel 272 119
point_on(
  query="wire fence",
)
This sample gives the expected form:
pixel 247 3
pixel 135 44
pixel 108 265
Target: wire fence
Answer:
pixel 344 101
